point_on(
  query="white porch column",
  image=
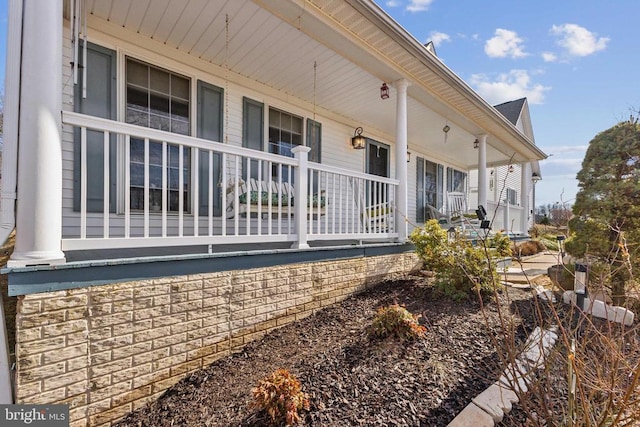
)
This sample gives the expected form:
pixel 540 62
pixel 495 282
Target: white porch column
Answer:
pixel 39 201
pixel 401 159
pixel 301 192
pixel 525 190
pixel 482 171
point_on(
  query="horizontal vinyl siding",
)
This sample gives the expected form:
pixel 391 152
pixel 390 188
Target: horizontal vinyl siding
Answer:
pixel 336 147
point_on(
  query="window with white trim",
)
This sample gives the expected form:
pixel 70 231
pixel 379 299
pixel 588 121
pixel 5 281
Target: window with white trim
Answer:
pixel 512 196
pixel 158 99
pixel 456 180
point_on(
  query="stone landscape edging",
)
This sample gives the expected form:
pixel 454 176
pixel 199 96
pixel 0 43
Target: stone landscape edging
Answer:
pixel 490 406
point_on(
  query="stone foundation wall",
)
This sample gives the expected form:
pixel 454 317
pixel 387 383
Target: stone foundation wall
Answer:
pixel 108 350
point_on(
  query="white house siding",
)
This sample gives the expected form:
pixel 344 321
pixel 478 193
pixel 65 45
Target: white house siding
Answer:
pixel 336 148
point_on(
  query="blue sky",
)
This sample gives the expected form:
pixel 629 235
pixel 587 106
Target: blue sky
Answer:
pixel 575 60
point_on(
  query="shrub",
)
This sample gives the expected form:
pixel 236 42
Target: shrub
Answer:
pixel 461 269
pixel 501 244
pixel 280 395
pixel 530 247
pixel 398 321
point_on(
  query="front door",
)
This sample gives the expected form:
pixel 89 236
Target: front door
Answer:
pixel 377 158
pixel 378 163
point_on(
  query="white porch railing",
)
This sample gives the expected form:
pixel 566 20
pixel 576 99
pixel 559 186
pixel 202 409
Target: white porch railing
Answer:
pixel 170 190
pixel 505 217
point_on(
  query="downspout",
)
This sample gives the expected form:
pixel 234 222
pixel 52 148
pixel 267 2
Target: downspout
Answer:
pixel 10 168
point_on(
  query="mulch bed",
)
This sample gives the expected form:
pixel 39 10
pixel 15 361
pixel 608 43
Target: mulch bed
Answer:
pixel 351 378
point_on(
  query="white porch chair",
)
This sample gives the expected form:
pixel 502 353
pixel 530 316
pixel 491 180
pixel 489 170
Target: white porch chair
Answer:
pixel 456 208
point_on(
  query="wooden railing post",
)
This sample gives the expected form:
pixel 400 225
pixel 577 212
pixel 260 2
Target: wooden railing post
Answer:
pixel 301 154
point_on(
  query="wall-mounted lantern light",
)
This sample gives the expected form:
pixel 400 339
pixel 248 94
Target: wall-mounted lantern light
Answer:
pixel 384 91
pixel 476 143
pixel 535 177
pixel 408 156
pixel 511 168
pixel 358 141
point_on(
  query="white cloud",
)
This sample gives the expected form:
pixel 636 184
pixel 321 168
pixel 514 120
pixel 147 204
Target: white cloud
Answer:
pixel 504 44
pixel 393 3
pixel 438 38
pixel 549 57
pixel 577 40
pixel 419 5
pixel 571 163
pixel 509 86
pixel 565 149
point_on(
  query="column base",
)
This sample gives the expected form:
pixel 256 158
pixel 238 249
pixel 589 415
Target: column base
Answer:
pixel 30 259
pixel 300 246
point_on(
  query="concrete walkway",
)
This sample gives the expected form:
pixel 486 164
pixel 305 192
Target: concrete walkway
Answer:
pixel 530 268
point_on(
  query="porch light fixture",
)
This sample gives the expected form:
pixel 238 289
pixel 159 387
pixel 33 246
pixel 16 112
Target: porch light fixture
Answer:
pixel 511 169
pixel 384 91
pixel 535 177
pixel 408 156
pixel 476 143
pixel 358 141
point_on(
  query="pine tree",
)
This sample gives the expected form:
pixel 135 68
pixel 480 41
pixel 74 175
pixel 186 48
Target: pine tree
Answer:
pixel 606 225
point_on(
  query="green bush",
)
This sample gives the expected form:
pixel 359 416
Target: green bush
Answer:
pixel 501 244
pixel 461 269
pixel 397 321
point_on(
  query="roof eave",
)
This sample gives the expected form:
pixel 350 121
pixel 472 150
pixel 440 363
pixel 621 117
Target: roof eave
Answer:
pixel 402 36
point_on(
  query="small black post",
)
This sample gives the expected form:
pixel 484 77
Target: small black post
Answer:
pixel 560 238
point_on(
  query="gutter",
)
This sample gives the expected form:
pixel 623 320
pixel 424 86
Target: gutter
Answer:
pixel 10 169
pixel 385 22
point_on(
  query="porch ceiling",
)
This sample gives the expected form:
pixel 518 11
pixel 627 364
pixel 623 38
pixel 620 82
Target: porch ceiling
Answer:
pixel 355 49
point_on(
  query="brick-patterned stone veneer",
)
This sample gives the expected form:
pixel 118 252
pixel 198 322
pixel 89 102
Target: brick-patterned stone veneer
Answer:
pixel 108 350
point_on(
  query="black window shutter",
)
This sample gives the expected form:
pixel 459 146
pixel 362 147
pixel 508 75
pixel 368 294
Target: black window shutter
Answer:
pixel 252 130
pixel 420 210
pixel 100 102
pixel 209 126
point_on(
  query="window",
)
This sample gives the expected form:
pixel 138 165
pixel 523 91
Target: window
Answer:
pixel 155 176
pixel 456 180
pixel 158 99
pixel 512 196
pixel 430 187
pixel 285 132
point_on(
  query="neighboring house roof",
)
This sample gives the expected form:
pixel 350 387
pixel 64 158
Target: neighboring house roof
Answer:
pixel 511 109
pixel 431 48
pixel 517 112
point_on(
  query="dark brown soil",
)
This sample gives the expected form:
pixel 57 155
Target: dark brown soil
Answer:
pixel 352 379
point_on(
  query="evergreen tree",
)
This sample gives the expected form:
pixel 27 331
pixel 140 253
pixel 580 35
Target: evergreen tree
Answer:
pixel 606 225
